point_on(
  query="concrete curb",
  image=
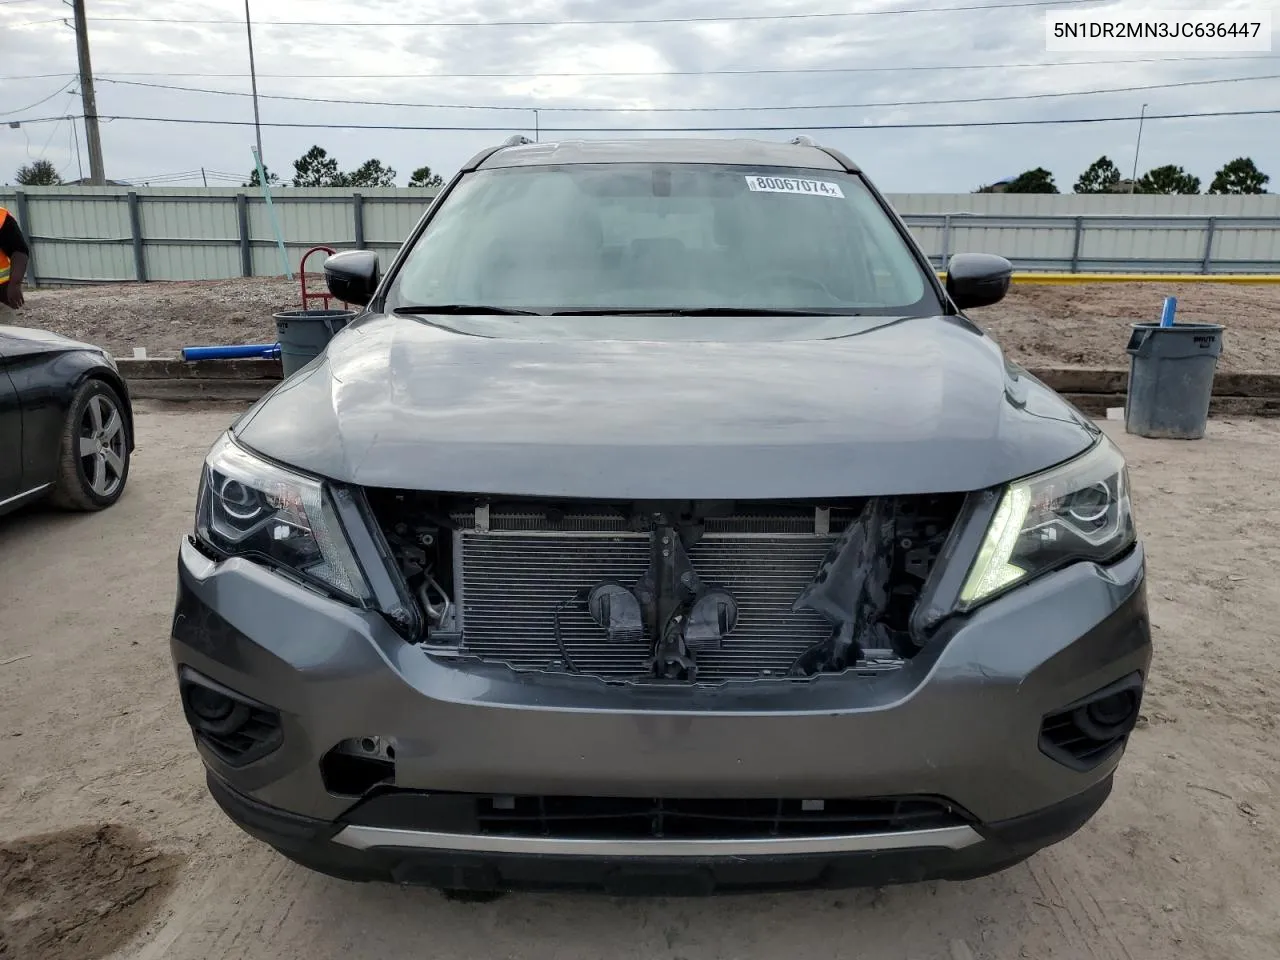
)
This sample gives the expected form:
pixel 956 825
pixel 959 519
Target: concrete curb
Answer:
pixel 1097 404
pixel 1094 380
pixel 201 380
pixel 174 369
pixel 1091 388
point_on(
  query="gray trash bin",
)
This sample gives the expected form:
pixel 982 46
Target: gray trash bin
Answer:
pixel 305 333
pixel 1171 379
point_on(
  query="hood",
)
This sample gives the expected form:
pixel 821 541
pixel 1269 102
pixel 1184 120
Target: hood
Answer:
pixel 704 408
pixel 28 340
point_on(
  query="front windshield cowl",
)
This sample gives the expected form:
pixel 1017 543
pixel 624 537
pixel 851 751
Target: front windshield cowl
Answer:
pixel 678 239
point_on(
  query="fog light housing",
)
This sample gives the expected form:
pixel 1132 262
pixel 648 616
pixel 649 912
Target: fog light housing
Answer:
pixel 234 728
pixel 209 704
pixel 215 712
pixel 1085 734
pixel 1112 716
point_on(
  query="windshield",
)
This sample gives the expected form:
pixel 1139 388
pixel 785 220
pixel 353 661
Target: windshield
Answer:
pixel 654 237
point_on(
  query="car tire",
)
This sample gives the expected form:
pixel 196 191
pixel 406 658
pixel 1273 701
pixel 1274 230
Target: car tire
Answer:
pixel 93 462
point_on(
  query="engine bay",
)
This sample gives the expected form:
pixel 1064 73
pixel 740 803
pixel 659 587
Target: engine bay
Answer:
pixel 688 592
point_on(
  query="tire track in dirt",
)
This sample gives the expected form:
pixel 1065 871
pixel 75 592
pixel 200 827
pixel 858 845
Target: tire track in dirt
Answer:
pixel 185 905
pixel 264 893
pixel 1067 883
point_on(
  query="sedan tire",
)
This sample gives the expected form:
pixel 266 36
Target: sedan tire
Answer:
pixel 94 463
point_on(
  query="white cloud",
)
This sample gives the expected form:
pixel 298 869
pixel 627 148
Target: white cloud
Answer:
pixel 900 160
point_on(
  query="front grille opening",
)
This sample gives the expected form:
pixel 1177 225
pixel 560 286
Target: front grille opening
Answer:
pixel 508 582
pixel 1090 731
pixel 237 730
pixel 628 818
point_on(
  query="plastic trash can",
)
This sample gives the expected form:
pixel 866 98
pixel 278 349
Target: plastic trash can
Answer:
pixel 305 333
pixel 1171 379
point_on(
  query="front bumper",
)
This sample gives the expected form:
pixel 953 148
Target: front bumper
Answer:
pixel 319 845
pixel 961 721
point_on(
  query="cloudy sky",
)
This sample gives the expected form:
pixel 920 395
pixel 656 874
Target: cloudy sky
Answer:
pixel 820 61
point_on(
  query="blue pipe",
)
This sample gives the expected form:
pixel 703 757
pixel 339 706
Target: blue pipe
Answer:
pixel 1169 312
pixel 254 351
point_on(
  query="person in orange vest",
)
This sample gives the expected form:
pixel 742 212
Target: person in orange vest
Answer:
pixel 14 255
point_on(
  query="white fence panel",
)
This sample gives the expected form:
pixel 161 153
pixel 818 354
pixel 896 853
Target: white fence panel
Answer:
pixel 112 234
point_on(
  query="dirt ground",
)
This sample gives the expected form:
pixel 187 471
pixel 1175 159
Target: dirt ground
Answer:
pixel 1085 325
pixel 110 847
pixel 78 893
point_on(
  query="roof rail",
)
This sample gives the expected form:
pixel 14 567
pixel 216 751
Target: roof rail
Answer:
pixel 807 141
pixel 475 162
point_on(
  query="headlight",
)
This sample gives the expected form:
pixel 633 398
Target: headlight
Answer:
pixel 1078 511
pixel 250 508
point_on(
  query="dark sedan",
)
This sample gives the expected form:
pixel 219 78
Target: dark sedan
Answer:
pixel 663 524
pixel 66 424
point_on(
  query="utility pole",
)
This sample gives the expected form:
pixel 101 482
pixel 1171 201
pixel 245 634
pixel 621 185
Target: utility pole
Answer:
pixel 1133 183
pixel 253 79
pixel 93 142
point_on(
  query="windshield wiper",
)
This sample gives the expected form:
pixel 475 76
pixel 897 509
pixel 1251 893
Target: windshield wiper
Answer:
pixel 454 309
pixel 702 312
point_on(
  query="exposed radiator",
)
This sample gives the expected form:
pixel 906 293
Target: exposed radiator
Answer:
pixel 509 583
pixel 492 575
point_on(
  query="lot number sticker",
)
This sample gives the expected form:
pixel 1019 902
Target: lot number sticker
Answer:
pixel 817 188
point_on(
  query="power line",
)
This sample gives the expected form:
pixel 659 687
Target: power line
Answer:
pixel 72 149
pixel 29 106
pixel 45 149
pixel 75 139
pixel 786 107
pixel 746 71
pixel 185 174
pixel 778 128
pixel 743 18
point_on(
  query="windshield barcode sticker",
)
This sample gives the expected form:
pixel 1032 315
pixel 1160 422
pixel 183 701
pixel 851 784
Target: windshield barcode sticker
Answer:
pixel 817 188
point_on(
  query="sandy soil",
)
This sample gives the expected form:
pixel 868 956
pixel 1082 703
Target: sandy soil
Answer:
pixel 1183 861
pixel 79 894
pixel 1088 325
pixel 1085 325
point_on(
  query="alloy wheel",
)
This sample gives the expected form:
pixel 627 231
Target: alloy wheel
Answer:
pixel 102 445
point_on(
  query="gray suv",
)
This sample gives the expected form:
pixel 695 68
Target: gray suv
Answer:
pixel 661 525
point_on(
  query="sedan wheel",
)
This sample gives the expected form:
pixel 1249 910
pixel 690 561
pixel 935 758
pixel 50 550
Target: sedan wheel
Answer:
pixel 95 450
pixel 102 446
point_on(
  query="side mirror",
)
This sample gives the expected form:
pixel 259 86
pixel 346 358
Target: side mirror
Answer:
pixel 978 279
pixel 352 276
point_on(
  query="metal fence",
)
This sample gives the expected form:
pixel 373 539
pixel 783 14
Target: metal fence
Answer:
pixel 1107 244
pixel 104 234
